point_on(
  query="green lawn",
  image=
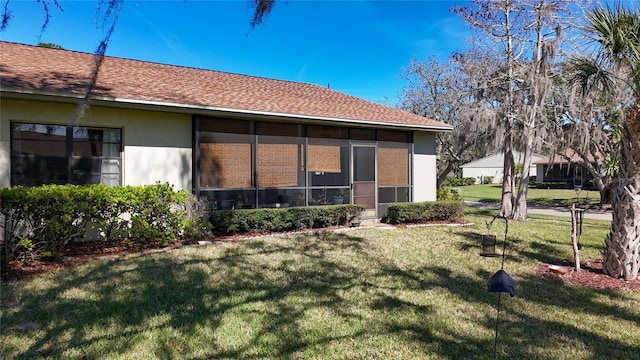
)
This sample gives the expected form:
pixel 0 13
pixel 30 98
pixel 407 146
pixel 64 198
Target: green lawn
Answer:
pixel 543 197
pixel 413 293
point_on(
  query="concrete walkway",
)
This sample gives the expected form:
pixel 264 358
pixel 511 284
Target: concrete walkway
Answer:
pixel 546 210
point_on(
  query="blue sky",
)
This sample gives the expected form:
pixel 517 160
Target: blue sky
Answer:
pixel 358 47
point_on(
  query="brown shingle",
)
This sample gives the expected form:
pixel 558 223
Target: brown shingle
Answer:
pixel 564 157
pixel 25 67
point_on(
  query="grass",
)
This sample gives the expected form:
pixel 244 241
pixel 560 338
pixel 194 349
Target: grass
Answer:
pixel 414 293
pixel 540 197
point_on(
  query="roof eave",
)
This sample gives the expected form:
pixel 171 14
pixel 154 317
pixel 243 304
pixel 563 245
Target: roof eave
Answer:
pixel 24 94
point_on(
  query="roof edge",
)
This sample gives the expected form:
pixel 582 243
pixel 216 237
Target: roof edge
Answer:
pixel 26 94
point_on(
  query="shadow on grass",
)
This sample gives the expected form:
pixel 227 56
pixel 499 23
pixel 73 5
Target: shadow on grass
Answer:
pixel 258 299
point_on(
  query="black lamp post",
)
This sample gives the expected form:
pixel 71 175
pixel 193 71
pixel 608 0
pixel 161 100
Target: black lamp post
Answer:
pixel 500 282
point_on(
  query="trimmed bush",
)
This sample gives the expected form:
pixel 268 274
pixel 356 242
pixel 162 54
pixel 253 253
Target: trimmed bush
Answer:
pixel 551 185
pixel 468 181
pixel 247 221
pixel 402 213
pixel 41 221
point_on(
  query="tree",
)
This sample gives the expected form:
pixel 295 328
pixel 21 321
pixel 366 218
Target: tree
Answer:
pixel 616 34
pixel 590 126
pixel 443 91
pixel 524 37
pixel 50 45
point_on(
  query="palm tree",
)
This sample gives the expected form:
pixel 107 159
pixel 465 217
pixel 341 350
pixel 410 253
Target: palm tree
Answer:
pixel 616 66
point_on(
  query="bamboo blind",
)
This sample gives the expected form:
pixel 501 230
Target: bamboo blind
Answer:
pixel 277 165
pixel 324 158
pixel 393 166
pixel 225 165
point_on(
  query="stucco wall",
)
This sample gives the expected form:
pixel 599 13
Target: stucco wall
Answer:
pixel 480 173
pixel 424 167
pixel 157 145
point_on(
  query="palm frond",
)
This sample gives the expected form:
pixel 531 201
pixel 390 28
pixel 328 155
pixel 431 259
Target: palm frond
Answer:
pixel 616 29
pixel 589 75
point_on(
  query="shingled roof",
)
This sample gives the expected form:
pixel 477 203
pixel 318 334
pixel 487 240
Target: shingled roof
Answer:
pixel 26 69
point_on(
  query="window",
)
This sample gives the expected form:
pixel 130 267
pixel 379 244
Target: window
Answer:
pixel 56 154
pixel 393 172
pixel 226 148
pixel 280 155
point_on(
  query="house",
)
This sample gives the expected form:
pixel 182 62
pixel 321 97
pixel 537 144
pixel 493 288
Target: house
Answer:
pixel 236 141
pixel 492 165
pixel 564 167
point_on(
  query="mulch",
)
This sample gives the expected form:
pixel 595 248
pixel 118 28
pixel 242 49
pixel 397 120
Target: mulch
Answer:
pixel 74 254
pixel 590 275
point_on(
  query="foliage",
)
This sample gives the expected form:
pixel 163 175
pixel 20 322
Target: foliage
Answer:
pixel 551 185
pixel 448 194
pixel 460 181
pixel 41 221
pixel 246 221
pixel 443 90
pixel 402 213
pixel 487 180
pixel 50 45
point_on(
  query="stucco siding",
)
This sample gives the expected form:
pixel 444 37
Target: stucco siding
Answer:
pixel 539 173
pixel 424 167
pixel 481 173
pixel 156 145
pixel 492 165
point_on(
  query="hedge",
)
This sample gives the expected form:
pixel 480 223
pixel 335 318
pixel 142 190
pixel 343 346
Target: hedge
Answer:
pixel 468 181
pixel 247 221
pixel 424 211
pixel 41 221
pixel 551 185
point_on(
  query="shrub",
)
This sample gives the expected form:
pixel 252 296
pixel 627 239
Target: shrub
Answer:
pixel 468 181
pixel 487 180
pixel 425 211
pixel 453 182
pixel 248 221
pixel 460 181
pixel 448 194
pixel 551 185
pixel 41 221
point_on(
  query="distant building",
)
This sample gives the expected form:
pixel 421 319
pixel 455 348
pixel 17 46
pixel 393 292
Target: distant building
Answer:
pixel 492 165
pixel 565 167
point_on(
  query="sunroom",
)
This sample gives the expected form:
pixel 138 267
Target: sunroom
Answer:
pixel 252 164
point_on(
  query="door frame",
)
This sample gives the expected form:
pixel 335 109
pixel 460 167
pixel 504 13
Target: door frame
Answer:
pixel 374 146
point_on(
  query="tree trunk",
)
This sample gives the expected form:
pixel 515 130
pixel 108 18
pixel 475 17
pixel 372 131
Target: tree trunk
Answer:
pixel 520 212
pixel 620 255
pixel 443 175
pixel 574 237
pixel 506 203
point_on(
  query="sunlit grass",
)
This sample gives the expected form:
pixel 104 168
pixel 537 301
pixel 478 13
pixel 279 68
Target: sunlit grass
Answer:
pixel 414 293
pixel 543 197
